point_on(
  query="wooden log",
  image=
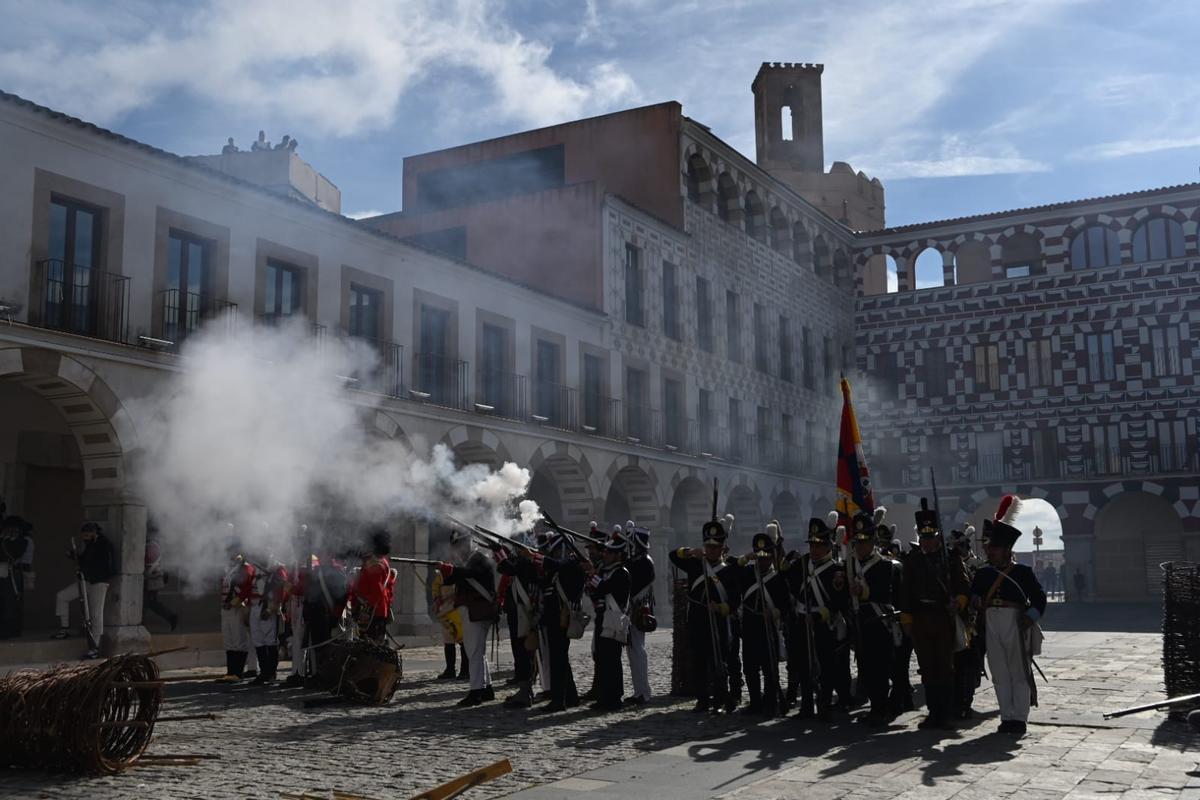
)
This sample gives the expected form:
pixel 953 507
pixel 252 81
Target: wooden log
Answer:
pixel 164 652
pixel 459 785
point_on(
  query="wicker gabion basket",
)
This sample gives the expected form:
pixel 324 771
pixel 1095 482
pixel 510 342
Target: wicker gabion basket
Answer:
pixel 1181 628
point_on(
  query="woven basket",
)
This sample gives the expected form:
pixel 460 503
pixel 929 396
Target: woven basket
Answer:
pixel 1181 628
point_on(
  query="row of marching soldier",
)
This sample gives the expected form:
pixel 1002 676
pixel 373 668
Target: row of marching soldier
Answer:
pixel 858 596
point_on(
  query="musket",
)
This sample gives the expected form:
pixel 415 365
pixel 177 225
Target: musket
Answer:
pixel 769 632
pixel 570 536
pixel 713 629
pixel 417 561
pixel 1168 703
pixel 500 538
pixel 81 582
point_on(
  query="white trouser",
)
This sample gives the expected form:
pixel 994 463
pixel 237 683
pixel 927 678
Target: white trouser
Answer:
pixel 235 635
pixel 544 659
pixel 96 592
pixel 639 664
pixel 296 610
pixel 475 636
pixel 263 632
pixel 1008 667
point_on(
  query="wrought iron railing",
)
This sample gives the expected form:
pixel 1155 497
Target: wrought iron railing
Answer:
pixel 501 392
pixel 600 415
pixel 643 425
pixel 184 313
pixel 89 302
pixel 273 320
pixel 1174 458
pixel 386 375
pixel 554 405
pixel 440 380
pixel 988 467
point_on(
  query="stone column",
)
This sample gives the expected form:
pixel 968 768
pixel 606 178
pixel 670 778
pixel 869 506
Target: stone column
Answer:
pixel 948 268
pixel 123 519
pixel 904 267
pixel 412 595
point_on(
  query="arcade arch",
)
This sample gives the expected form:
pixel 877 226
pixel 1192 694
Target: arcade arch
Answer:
pixel 1134 532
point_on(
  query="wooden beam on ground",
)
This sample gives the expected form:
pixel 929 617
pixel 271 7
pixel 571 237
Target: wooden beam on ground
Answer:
pixel 461 784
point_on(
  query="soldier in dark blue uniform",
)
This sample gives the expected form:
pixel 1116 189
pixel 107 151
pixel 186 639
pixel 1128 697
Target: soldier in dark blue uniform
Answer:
pixel 713 593
pixel 764 603
pixel 609 589
pixel 1011 601
pixel 561 583
pixel 935 593
pixel 818 587
pixel 872 581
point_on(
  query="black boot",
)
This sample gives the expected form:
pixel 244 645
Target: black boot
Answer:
pixel 464 668
pixel 472 699
pixel 448 673
pixel 806 706
pixel 265 673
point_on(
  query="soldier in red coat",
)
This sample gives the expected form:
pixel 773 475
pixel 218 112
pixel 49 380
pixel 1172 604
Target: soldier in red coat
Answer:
pixel 373 590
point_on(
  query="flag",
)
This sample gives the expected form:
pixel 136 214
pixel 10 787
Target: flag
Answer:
pixel 853 478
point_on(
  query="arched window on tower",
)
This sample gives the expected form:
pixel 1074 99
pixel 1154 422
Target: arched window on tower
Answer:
pixel 1157 238
pixel 1095 246
pixel 927 269
pixel 1021 256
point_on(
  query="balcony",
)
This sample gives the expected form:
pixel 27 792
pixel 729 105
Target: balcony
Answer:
pixel 501 392
pixel 679 434
pixel 440 380
pixel 643 425
pixel 276 320
pixel 1106 462
pixel 554 405
pixel 601 416
pixel 1174 458
pixel 88 302
pixel 184 313
pixel 1167 362
pixel 989 467
pixel 387 375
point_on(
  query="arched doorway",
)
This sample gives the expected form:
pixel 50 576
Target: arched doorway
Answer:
pixel 64 440
pixel 631 496
pixel 743 503
pixel 691 507
pixel 560 484
pixel 1134 533
pixel 786 509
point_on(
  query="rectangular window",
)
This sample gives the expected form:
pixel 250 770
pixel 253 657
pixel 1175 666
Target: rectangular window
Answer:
pixel 762 434
pixel 593 394
pixel 1101 358
pixel 989 456
pixel 633 286
pixel 550 396
pixel 733 339
pixel 887 375
pixel 673 413
pixel 936 372
pixel 786 370
pixel 829 363
pixel 706 423
pixel 704 316
pixel 1041 364
pixel 736 432
pixel 186 301
pixel 1106 449
pixel 761 360
pixel 987 368
pixel 365 307
pixel 1044 442
pixel 283 293
pixel 1165 342
pixel 73 259
pixel 637 420
pixel 435 373
pixel 809 360
pixel 496 387
pixel 670 302
pixel 1172 446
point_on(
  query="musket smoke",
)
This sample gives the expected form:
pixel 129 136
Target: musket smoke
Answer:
pixel 259 431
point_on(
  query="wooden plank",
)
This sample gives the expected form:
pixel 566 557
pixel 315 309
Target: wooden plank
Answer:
pixel 459 785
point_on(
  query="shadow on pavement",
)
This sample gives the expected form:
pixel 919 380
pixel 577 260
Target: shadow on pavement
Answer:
pixel 1105 617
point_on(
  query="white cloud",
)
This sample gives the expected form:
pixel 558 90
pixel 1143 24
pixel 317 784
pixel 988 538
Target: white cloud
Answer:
pixel 1133 147
pixel 332 68
pixel 954 157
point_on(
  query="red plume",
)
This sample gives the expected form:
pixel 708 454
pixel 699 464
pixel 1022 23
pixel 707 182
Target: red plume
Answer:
pixel 1010 506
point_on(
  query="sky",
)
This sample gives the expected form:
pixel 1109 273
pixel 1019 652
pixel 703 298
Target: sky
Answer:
pixel 958 107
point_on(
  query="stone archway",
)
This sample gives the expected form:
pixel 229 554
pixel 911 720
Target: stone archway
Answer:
pixel 474 445
pixel 745 503
pixel 632 494
pixel 104 439
pixel 786 509
pixel 691 507
pixel 1134 532
pixel 561 483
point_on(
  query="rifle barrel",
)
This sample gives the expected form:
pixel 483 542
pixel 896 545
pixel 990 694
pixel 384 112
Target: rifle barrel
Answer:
pixel 1173 701
pixel 422 561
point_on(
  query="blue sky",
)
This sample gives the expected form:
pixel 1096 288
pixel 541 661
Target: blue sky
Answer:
pixel 959 107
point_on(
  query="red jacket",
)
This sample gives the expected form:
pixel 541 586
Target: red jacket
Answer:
pixel 375 586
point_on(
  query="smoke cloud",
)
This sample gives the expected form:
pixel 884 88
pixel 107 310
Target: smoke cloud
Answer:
pixel 260 432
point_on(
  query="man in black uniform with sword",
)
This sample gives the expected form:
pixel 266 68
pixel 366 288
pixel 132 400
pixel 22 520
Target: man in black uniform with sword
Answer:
pixel 764 602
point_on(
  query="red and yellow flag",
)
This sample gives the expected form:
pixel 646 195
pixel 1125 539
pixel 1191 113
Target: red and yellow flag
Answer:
pixel 853 478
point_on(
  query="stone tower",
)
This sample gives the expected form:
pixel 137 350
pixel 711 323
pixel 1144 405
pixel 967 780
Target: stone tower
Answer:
pixel 791 146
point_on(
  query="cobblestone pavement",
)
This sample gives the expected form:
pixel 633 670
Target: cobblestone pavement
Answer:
pixel 267 744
